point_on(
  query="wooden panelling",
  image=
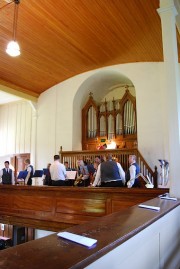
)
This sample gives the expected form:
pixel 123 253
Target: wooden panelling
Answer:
pixel 8 230
pixel 29 203
pixel 53 208
pixel 16 131
pixel 87 206
pixel 5 201
pixel 64 38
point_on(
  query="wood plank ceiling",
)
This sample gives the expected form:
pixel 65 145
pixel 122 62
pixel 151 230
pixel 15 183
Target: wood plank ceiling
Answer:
pixel 60 39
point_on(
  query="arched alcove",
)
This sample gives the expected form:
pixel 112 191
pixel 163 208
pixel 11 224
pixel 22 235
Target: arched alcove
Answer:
pixel 102 84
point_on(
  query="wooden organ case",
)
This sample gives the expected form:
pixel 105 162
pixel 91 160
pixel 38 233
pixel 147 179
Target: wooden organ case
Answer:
pixel 113 123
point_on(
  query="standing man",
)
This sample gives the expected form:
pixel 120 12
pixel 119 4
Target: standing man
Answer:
pixel 58 172
pixel 30 170
pixel 7 174
pixel 132 180
pixel 109 174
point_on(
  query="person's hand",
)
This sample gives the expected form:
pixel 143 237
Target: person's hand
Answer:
pixel 129 184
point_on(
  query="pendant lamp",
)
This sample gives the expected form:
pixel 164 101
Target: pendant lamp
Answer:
pixel 13 48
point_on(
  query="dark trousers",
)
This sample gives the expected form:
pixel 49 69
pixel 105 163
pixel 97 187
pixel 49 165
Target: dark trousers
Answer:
pixel 59 183
pixel 7 182
pixel 117 183
pixel 29 182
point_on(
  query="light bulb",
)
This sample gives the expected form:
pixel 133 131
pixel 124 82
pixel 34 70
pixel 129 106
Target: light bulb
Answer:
pixel 13 49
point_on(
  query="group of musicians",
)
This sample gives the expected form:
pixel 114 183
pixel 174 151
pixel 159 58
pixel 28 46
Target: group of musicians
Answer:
pixel 104 172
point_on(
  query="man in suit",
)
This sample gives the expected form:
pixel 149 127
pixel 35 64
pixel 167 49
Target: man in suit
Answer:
pixel 109 174
pixel 30 170
pixel 58 172
pixel 7 174
pixel 132 180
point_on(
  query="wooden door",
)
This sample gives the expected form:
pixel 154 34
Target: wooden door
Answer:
pixel 18 162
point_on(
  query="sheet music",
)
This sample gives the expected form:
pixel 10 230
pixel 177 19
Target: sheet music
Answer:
pixel 71 174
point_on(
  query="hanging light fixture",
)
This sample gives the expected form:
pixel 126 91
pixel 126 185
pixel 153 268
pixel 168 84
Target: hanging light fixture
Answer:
pixel 13 48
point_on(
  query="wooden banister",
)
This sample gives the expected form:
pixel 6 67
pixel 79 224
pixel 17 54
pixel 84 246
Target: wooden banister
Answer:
pixel 122 154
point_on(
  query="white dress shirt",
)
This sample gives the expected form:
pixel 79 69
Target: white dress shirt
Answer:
pixel 132 170
pixel 57 171
pixel 29 169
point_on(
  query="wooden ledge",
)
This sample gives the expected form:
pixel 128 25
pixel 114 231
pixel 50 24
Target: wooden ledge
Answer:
pixel 110 231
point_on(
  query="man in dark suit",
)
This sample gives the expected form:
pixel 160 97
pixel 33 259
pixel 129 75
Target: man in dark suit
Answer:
pixel 7 174
pixel 109 174
pixel 30 170
pixel 132 180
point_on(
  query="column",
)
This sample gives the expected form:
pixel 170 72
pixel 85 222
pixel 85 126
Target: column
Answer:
pixel 171 93
pixel 33 134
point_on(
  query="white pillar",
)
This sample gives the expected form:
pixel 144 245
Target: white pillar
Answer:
pixel 171 93
pixel 33 134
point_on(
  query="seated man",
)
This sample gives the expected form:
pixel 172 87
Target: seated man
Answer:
pixel 109 174
pixel 66 164
pixel 58 172
pixel 47 176
pixel 83 174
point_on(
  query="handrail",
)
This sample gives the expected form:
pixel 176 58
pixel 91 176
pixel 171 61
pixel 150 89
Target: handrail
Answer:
pixel 146 170
pixel 122 154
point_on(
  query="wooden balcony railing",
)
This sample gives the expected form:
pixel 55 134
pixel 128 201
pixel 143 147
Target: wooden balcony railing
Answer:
pixel 122 154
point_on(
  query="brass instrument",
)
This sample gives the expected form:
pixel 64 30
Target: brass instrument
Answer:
pixel 78 180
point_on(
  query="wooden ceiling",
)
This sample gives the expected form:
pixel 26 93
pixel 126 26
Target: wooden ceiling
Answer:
pixel 60 39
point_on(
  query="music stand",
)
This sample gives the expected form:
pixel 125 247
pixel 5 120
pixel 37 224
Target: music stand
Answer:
pixel 21 177
pixel 38 173
pixel 22 174
pixel 70 177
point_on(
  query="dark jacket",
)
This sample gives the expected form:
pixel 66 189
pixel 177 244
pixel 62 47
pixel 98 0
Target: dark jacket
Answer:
pixel 7 177
pixel 136 182
pixel 109 171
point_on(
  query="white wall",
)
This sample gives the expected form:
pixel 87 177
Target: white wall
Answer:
pixel 156 247
pixel 59 111
pixel 15 129
pixel 42 233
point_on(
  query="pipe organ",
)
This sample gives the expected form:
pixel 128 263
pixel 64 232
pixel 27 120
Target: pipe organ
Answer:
pixel 109 121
